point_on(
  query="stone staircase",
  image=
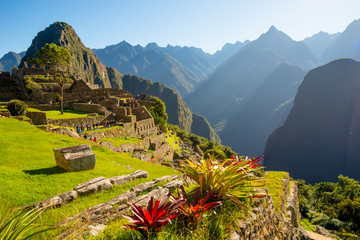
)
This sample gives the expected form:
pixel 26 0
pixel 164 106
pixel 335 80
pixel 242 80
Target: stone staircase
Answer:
pixel 96 217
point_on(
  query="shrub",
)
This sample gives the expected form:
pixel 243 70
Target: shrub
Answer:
pixel 158 111
pixel 232 178
pixel 17 107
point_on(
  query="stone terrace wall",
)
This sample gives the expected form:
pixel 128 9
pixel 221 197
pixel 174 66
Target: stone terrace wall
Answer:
pixel 20 73
pixel 37 118
pixel 266 223
pixel 117 132
pixel 73 122
pixel 93 108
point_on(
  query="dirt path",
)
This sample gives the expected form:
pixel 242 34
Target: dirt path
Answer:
pixel 316 236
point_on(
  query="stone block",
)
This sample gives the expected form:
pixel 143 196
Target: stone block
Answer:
pixel 139 174
pixel 68 196
pixel 50 202
pixel 121 180
pixel 172 186
pixel 143 187
pixel 93 185
pixel 75 158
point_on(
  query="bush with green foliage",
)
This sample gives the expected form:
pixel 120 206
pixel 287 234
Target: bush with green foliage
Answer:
pixel 219 151
pixel 335 206
pixel 17 107
pixel 158 111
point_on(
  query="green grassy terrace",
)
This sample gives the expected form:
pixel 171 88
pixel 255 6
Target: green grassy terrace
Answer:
pixel 28 172
pixel 275 186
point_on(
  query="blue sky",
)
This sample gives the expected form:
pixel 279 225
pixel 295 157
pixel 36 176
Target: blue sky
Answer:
pixel 207 24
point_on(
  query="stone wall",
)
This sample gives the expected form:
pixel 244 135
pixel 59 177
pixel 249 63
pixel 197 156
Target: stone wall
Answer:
pixel 92 108
pixel 20 73
pixel 73 122
pixel 5 113
pixel 265 223
pixel 116 132
pixel 145 128
pixel 156 142
pixel 37 118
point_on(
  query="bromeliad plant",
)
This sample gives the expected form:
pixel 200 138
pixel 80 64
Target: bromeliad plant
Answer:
pixel 229 179
pixel 152 218
pixel 191 212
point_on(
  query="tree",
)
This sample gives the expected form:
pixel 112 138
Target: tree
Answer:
pixel 158 111
pixel 57 60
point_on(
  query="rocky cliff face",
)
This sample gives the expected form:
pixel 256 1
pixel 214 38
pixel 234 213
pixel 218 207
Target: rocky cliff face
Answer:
pixel 85 65
pixel 319 139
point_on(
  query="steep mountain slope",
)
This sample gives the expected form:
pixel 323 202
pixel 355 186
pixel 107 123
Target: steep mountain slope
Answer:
pixel 227 92
pixel 177 110
pixel 8 61
pixel 265 110
pixel 179 68
pixel 227 51
pixel 320 138
pixel 85 64
pixel 346 45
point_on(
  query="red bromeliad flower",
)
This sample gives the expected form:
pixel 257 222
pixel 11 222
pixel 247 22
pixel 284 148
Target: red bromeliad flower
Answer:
pixel 154 216
pixel 193 211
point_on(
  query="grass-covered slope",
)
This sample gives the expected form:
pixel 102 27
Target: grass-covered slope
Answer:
pixel 28 172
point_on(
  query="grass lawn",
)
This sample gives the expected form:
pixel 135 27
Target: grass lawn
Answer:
pixel 119 141
pixel 275 186
pixel 307 225
pixel 28 172
pixel 55 114
pixel 171 139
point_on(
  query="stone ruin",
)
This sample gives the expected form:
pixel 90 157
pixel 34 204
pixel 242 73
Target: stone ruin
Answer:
pixel 75 158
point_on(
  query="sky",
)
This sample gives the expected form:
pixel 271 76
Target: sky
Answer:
pixel 207 24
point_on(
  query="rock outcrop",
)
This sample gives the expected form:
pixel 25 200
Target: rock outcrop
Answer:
pixel 319 140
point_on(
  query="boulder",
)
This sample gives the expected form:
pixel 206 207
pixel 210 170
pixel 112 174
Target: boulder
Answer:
pixel 75 158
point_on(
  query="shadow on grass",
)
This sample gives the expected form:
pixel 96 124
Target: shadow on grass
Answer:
pixel 45 171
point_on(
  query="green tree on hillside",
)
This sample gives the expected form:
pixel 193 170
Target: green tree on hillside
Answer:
pixel 57 60
pixel 158 111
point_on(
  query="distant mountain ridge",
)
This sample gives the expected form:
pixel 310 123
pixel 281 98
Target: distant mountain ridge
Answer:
pixel 318 42
pixel 237 96
pixel 9 60
pixel 181 68
pixel 346 44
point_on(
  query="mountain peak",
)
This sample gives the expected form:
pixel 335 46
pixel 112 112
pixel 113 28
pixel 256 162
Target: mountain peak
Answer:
pixel 152 45
pixel 274 34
